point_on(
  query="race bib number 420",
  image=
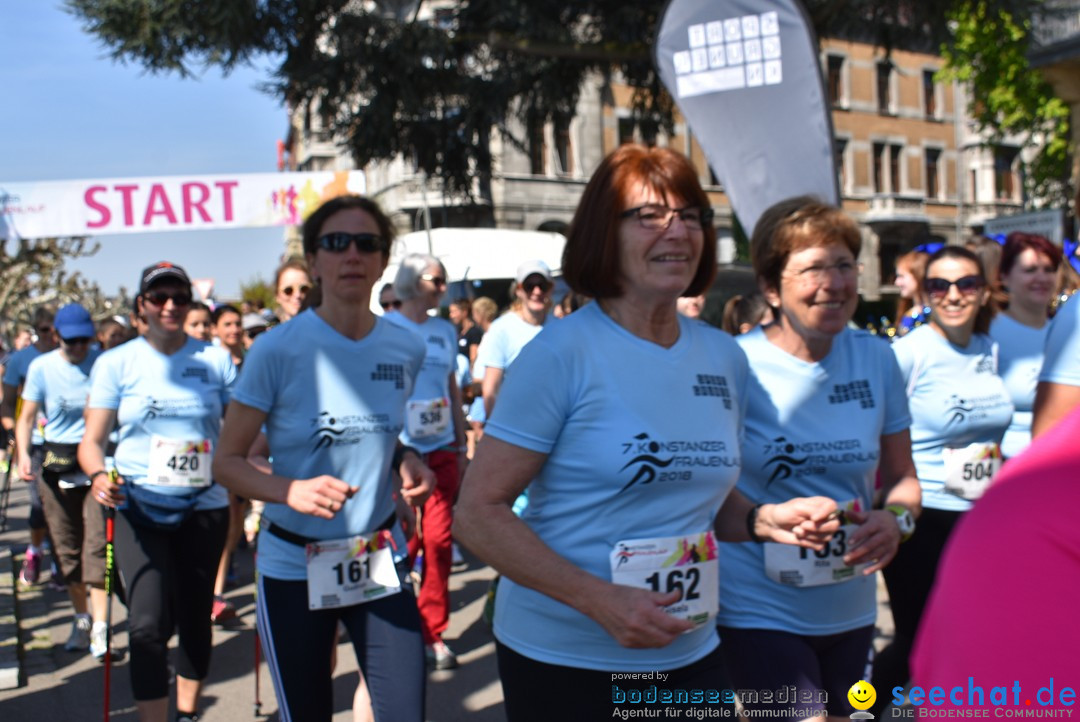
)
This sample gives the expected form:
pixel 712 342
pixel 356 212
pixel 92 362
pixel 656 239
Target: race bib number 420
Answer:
pixel 354 570
pixel 178 462
pixel 687 564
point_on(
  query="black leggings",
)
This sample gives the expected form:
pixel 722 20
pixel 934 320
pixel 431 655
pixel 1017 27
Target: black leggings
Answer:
pixel 540 692
pixel 909 578
pixel 298 643
pixel 168 576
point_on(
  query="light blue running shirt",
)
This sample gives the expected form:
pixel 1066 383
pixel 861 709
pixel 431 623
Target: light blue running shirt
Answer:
pixel 334 406
pixel 641 442
pixel 179 396
pixel 1061 364
pixel 432 383
pixel 60 389
pixel 812 429
pixel 1020 358
pixel 18 364
pixel 505 339
pixel 956 399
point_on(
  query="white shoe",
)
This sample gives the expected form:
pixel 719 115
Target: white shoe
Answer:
pixel 98 643
pixel 80 634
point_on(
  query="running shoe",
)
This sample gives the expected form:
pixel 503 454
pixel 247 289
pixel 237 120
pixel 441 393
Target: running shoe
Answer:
pixel 31 567
pixel 98 644
pixel 440 656
pixel 79 640
pixel 222 611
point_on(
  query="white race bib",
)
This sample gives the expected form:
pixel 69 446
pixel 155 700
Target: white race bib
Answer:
pixel 969 470
pixel 801 567
pixel 427 418
pixel 350 571
pixel 177 462
pixel 684 563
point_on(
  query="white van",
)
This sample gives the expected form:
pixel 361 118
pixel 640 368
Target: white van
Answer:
pixel 479 261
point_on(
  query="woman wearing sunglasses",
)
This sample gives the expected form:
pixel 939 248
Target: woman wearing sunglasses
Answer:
pixel 434 426
pixel 331 388
pixel 624 421
pixel 167 391
pixel 291 284
pixel 960 409
pixel 826 416
pixel 57 383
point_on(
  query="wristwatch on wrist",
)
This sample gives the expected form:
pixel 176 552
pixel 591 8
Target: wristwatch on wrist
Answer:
pixel 904 520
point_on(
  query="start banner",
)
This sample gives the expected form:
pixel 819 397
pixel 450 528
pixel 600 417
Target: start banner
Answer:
pixel 167 203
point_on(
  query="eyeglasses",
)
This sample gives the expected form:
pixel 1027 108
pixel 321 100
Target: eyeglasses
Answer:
pixel 158 298
pixel 938 288
pixel 437 280
pixel 339 241
pixel 656 217
pixel 42 330
pixel 387 305
pixel 531 284
pixel 818 273
pixel 302 290
pixel 75 341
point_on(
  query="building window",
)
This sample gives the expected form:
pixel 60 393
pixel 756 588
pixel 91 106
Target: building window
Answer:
pixel 1004 177
pixel 884 75
pixel 562 144
pixel 929 94
pixel 713 180
pixel 894 168
pixel 879 167
pixel 836 80
pixel 840 146
pixel 626 131
pixel 933 169
pixel 537 148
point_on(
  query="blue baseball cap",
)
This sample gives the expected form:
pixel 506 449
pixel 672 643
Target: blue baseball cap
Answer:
pixel 73 321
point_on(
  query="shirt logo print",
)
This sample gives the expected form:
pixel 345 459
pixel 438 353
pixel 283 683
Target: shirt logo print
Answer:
pixel 854 391
pixel 390 372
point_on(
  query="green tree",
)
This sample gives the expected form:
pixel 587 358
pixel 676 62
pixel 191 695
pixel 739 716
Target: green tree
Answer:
pixel 32 274
pixel 258 291
pixel 988 53
pixel 390 79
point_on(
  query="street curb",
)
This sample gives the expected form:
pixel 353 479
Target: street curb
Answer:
pixel 9 623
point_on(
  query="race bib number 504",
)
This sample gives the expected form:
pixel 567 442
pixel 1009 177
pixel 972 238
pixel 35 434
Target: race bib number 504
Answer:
pixel 687 564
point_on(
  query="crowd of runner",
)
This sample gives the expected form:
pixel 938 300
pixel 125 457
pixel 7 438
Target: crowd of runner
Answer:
pixel 656 495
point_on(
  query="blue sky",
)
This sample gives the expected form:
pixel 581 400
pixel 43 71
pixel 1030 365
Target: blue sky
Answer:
pixel 71 112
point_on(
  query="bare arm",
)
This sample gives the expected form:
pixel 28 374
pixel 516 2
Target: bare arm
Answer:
pixel 484 522
pixel 460 440
pixel 99 422
pixel 24 427
pixel 492 381
pixel 1053 402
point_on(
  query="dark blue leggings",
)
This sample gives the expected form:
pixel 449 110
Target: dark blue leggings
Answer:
pixel 297 643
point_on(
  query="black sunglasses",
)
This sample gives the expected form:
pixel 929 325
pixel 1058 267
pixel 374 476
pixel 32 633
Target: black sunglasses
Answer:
pixel 530 285
pixel 75 341
pixel 387 305
pixel 939 287
pixel 302 290
pixel 339 241
pixel 158 298
pixel 437 280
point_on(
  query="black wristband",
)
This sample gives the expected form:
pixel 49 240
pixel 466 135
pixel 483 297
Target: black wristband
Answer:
pixel 751 521
pixel 399 457
pixel 98 473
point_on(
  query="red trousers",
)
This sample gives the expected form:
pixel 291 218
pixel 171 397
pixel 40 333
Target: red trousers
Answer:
pixel 434 538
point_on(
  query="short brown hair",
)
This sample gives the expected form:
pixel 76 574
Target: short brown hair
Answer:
pixel 590 262
pixel 792 225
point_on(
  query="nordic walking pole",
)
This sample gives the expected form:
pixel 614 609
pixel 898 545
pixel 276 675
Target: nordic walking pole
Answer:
pixel 110 565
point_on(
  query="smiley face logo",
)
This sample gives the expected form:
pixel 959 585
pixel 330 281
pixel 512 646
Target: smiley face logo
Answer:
pixel 862 695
